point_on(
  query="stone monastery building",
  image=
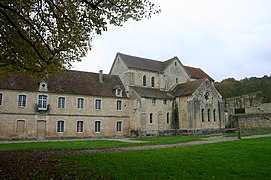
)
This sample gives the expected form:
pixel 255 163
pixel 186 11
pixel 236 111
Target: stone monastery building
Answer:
pixel 139 97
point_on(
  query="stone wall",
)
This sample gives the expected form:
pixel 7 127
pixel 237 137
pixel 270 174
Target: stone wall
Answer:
pixel 261 120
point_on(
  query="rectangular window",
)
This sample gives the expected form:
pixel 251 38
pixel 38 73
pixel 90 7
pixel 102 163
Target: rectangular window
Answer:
pixel 98 104
pixel 21 100
pixel 153 101
pixel 42 102
pixel 1 99
pixel 119 126
pixel 80 103
pixel 60 126
pixel 61 103
pixel 118 92
pixel 80 126
pixel 119 105
pixel 97 126
pixel 165 102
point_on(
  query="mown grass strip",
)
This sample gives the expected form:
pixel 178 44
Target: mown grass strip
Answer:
pixel 243 159
pixel 91 144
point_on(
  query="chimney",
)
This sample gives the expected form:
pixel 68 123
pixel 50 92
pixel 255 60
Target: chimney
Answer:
pixel 101 76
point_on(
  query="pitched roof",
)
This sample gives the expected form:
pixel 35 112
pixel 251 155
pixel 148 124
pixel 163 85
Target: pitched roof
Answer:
pixel 187 88
pixel 152 93
pixel 197 73
pixel 158 66
pixel 67 82
pixel 142 63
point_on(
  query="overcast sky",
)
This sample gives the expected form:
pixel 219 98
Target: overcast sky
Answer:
pixel 225 38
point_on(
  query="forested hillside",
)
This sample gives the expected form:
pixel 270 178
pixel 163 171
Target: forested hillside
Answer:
pixel 231 87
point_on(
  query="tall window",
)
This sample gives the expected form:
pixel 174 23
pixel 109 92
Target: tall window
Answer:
pixel 80 126
pixel 1 99
pixel 98 104
pixel 152 81
pixel 214 115
pixel 208 113
pixel 165 102
pixel 60 126
pixel 61 103
pixel 119 126
pixel 97 126
pixel 177 80
pixel 202 115
pixel 167 118
pixel 21 100
pixel 151 117
pixel 42 102
pixel 119 105
pixel 144 80
pixel 80 103
pixel 153 101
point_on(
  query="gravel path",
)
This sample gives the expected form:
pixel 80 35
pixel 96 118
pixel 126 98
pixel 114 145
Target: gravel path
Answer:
pixel 214 139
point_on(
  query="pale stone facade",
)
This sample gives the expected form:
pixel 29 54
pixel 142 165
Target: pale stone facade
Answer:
pixel 139 97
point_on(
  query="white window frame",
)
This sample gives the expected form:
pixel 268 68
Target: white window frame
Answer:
pixel 119 92
pixel 44 102
pixel 22 102
pixel 80 126
pixel 61 102
pixel 119 126
pixel 80 103
pixel 98 106
pixel 119 105
pixel 60 128
pixel 97 126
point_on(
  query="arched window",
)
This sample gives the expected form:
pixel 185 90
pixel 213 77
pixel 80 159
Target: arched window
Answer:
pixel 152 81
pixel 208 112
pixel 214 115
pixel 1 98
pixel 144 80
pixel 202 115
pixel 151 117
pixel 167 118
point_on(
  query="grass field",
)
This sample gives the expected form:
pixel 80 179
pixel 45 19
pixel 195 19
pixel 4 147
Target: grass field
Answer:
pixel 91 144
pixel 245 159
pixel 242 159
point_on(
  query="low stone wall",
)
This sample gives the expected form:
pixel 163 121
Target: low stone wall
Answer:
pixel 261 120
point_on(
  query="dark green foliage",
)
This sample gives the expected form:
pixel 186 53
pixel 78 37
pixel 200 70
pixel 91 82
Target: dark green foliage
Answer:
pixel 231 87
pixel 41 37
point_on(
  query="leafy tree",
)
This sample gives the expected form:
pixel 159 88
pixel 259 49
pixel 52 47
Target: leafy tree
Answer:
pixel 231 87
pixel 40 37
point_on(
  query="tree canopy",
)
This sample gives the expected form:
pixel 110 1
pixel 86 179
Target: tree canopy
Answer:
pixel 40 37
pixel 232 88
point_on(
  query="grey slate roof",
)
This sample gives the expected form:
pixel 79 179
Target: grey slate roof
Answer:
pixel 142 63
pixel 152 93
pixel 187 88
pixel 67 82
pixel 158 66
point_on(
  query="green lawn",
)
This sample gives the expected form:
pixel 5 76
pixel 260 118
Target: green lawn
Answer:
pixel 90 144
pixel 243 159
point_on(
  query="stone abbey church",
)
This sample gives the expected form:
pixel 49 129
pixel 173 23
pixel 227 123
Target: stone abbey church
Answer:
pixel 139 97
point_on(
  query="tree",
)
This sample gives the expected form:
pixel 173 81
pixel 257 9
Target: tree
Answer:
pixel 40 37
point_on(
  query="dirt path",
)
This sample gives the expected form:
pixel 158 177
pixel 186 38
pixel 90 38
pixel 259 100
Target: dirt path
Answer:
pixel 214 139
